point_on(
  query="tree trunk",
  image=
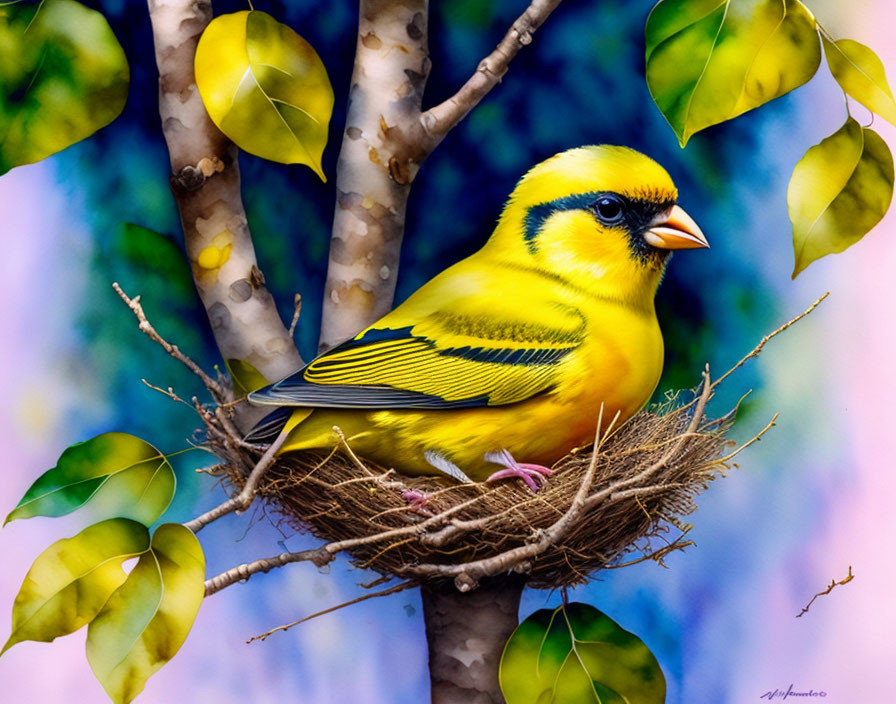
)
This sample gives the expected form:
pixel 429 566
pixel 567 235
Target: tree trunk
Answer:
pixel 206 185
pixel 466 633
pixel 381 153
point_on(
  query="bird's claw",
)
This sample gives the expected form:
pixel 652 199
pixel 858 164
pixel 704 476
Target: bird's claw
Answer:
pixel 534 475
pixel 417 500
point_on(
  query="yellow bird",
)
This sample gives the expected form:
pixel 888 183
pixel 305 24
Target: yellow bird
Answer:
pixel 509 353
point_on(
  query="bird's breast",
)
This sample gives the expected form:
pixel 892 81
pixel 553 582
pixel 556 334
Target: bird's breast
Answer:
pixel 618 364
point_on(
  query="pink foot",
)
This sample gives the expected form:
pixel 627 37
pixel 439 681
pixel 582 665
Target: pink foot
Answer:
pixel 534 475
pixel 417 500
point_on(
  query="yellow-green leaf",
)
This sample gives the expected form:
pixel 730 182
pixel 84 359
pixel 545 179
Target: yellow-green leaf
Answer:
pixel 709 61
pixel 72 580
pixel 63 75
pixel 861 74
pixel 839 190
pixel 145 622
pixel 246 378
pixel 578 655
pixel 119 474
pixel 265 87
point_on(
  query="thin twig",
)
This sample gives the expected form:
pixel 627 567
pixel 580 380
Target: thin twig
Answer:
pixel 645 474
pixel 241 573
pixel 217 391
pixel 756 438
pixel 385 592
pixel 764 340
pixel 169 392
pixel 351 453
pixel 849 577
pixel 657 556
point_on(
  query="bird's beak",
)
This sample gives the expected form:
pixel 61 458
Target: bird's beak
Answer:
pixel 675 229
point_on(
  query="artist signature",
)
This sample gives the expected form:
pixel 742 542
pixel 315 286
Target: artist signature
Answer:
pixel 791 692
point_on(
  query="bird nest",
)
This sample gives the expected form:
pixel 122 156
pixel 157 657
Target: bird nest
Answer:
pixel 604 501
pixel 620 495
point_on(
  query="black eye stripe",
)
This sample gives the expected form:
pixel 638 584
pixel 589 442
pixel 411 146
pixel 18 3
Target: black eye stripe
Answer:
pixel 637 212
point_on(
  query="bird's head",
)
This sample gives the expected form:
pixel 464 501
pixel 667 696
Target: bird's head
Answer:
pixel 602 212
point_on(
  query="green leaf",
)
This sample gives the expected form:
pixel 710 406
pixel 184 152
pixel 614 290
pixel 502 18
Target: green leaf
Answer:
pixel 839 190
pixel 148 251
pixel 63 76
pixel 246 378
pixel 145 622
pixel 265 87
pixel 709 61
pixel 72 580
pixel 578 655
pixel 861 74
pixel 119 474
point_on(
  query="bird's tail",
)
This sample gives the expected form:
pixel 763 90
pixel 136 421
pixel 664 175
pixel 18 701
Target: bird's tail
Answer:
pixel 269 427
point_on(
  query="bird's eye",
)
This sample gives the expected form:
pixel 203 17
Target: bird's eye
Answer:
pixel 609 209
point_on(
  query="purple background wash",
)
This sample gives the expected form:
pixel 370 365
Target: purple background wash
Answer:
pixel 814 497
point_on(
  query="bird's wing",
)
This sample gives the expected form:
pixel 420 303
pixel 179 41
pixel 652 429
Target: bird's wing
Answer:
pixel 446 360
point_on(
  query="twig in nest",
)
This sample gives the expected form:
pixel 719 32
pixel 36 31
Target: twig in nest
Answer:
pixel 756 438
pixel 216 390
pixel 385 592
pixel 467 575
pixel 241 501
pixel 646 474
pixel 849 577
pixel 350 452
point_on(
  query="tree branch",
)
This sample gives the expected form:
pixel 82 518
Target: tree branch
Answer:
pixel 438 120
pixel 206 186
pixel 319 556
pixel 241 501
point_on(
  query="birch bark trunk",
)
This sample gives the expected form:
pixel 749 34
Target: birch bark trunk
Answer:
pixel 382 149
pixel 206 185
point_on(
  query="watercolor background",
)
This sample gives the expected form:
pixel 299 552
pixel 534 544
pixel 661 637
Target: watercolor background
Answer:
pixel 813 498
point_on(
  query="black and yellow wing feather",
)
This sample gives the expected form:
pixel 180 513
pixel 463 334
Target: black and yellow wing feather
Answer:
pixel 443 361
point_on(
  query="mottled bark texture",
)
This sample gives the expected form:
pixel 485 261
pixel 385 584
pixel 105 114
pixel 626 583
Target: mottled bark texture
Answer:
pixel 206 184
pixel 382 149
pixel 386 139
pixel 466 633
